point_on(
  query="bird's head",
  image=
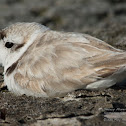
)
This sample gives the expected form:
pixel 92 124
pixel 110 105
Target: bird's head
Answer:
pixel 15 39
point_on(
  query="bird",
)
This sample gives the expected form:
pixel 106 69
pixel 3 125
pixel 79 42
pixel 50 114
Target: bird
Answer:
pixel 41 62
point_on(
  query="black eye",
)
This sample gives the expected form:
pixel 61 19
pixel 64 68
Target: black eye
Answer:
pixel 9 44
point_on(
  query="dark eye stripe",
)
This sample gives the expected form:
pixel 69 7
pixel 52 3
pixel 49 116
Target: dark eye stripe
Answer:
pixel 9 44
pixel 19 46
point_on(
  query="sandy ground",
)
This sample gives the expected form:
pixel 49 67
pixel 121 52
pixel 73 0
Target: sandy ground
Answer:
pixel 104 19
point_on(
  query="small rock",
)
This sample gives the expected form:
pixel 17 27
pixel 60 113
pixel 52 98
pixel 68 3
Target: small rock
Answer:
pixel 3 114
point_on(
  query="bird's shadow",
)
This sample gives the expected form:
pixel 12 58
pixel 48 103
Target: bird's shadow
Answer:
pixel 119 86
pixel 3 88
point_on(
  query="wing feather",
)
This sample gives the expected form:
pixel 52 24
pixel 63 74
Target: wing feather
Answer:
pixel 61 62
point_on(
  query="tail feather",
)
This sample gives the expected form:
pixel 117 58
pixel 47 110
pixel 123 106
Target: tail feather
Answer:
pixel 119 78
pixel 102 84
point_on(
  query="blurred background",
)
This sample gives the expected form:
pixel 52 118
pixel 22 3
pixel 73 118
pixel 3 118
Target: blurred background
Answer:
pixel 104 19
pixel 68 15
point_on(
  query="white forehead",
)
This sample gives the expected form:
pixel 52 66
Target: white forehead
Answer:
pixel 14 38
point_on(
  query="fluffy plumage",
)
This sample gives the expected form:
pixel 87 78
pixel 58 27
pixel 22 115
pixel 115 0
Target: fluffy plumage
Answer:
pixel 48 63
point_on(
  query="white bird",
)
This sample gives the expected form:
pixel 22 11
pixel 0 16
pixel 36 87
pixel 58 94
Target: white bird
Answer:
pixel 41 62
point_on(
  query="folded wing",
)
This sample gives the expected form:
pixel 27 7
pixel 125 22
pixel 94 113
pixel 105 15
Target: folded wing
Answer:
pixel 61 62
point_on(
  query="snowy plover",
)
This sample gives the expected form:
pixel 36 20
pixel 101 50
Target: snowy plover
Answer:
pixel 40 62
